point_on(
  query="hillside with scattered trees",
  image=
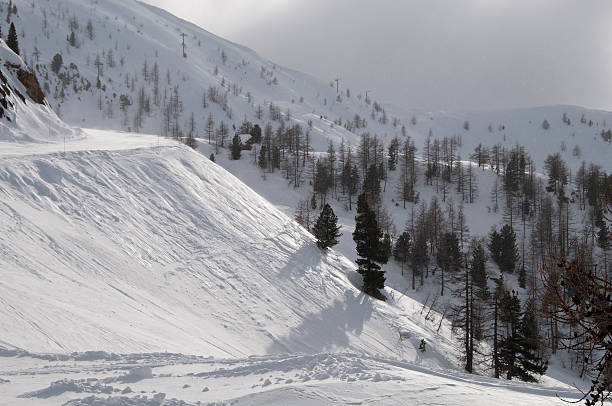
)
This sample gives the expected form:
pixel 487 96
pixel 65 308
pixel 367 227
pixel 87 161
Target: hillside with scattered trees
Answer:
pixel 497 224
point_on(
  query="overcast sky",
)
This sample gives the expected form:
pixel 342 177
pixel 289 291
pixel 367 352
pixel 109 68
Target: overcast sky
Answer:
pixel 430 54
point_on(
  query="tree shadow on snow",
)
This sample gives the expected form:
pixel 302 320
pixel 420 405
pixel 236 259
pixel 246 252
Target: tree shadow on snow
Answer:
pixel 307 258
pixel 328 330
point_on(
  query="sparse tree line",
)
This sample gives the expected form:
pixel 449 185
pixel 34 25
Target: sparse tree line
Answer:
pixel 140 95
pixel 521 327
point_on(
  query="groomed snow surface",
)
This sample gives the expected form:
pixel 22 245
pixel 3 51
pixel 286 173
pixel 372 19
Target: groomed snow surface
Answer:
pixel 147 246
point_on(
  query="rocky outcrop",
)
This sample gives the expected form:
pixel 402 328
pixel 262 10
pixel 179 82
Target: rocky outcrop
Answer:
pixel 30 82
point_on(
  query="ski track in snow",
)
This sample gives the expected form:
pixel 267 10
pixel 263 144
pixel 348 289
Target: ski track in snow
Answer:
pixel 89 140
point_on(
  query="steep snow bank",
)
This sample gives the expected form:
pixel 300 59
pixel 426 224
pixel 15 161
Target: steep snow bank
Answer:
pixel 159 249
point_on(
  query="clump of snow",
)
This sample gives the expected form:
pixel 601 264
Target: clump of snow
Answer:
pixel 157 400
pixel 136 374
pixel 69 385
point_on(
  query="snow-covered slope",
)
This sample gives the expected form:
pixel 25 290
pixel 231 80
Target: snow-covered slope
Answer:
pixel 134 33
pixel 126 34
pixel 524 127
pixel 146 245
pixel 24 114
pixel 159 249
pixel 129 243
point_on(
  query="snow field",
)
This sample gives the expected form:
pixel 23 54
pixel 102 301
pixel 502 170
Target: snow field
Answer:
pixel 318 379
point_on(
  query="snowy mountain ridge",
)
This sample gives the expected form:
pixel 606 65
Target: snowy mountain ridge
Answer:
pixel 138 51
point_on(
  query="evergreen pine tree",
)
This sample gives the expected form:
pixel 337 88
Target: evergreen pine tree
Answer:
pixel 503 248
pixel 236 147
pixel 72 39
pixel 371 184
pixel 11 40
pixel 509 250
pixel 401 251
pixel 262 161
pixel 495 243
pixel 326 229
pixel 449 256
pixel 387 248
pixel 557 172
pixel 509 315
pixel 368 238
pixel 56 63
pixel 519 350
pixel 321 181
pixel 530 362
pixel 479 271
pixel 256 134
pixel 508 348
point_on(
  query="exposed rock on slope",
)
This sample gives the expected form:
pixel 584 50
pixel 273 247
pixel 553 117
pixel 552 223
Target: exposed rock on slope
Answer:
pixel 30 81
pixel 25 115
